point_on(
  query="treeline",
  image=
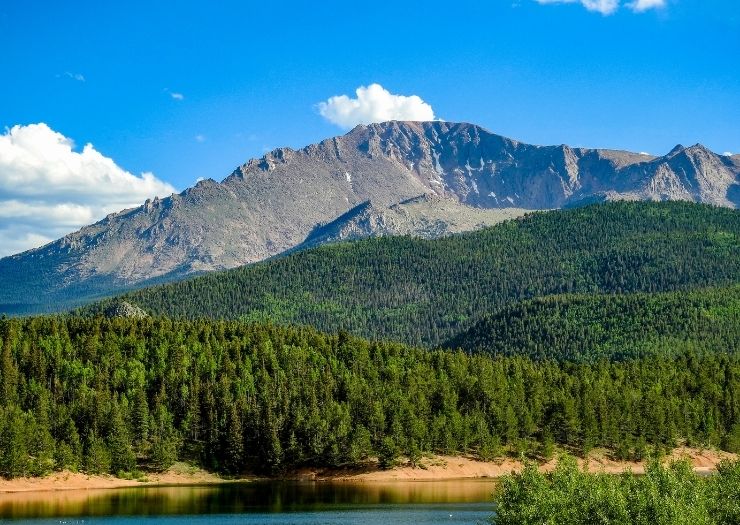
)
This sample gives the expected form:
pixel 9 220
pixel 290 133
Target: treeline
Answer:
pixel 114 395
pixel 672 495
pixel 425 292
pixel 622 326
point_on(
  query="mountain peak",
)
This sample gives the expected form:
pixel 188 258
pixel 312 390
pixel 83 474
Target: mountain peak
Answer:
pixel 700 148
pixel 678 148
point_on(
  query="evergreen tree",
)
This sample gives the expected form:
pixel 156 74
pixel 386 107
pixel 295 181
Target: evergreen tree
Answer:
pixel 122 458
pixel 234 443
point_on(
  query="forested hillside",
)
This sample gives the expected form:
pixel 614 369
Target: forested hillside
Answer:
pixel 425 292
pixel 113 395
pixel 591 327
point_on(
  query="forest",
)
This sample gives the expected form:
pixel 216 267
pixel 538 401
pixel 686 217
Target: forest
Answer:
pixel 120 395
pixel 425 292
pixel 612 326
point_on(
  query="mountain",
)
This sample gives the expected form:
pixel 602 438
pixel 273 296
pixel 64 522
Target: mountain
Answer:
pixel 592 327
pixel 427 291
pixel 272 204
pixel 427 216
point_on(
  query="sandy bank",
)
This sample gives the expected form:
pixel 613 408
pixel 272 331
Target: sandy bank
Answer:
pixel 178 474
pixel 435 468
pixel 459 467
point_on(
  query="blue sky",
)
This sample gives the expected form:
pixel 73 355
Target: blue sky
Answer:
pixel 192 89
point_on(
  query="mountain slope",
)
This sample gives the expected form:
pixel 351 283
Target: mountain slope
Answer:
pixel 426 291
pixel 272 204
pixel 590 327
pixel 426 216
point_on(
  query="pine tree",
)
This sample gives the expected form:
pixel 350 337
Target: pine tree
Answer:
pixel 122 458
pixel 97 456
pixel 14 460
pixel 140 420
pixel 234 443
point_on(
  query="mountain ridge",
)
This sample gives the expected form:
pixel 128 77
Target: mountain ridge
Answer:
pixel 272 204
pixel 426 216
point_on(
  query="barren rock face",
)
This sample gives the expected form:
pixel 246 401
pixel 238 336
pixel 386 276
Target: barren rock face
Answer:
pixel 125 309
pixel 273 204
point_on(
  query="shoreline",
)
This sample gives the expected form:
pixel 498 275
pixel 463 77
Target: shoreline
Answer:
pixel 429 469
pixel 451 468
pixel 179 475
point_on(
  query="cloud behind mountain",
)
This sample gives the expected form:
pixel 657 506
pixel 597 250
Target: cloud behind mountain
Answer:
pixel 48 189
pixel 374 104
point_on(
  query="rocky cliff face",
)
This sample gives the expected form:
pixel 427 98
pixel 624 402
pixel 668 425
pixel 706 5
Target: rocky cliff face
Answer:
pixel 272 204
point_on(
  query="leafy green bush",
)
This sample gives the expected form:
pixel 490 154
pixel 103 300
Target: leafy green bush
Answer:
pixel 673 495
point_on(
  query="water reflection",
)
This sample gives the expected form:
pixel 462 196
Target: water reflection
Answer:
pixel 253 497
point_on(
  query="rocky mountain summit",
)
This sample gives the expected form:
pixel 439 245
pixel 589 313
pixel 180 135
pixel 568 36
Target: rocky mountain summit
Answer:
pixel 292 197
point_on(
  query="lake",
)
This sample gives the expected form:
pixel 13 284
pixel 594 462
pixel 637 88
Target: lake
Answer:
pixel 276 503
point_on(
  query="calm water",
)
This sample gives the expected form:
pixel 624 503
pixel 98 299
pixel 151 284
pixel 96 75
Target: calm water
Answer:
pixel 450 502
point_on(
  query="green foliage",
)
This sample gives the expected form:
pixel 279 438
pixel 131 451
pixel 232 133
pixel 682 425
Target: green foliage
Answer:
pixel 97 456
pixel 425 292
pixel 122 458
pixel 388 453
pixel 592 327
pixel 725 493
pixel 140 419
pixel 115 395
pixel 14 459
pixel 731 440
pixel 672 495
pixel 165 440
pixel 233 457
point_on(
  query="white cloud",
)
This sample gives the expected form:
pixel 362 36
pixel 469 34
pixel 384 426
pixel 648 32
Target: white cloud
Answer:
pixel 640 6
pixel 177 96
pixel 605 7
pixel 728 154
pixel 374 103
pixel 47 189
pixel 608 7
pixel 79 77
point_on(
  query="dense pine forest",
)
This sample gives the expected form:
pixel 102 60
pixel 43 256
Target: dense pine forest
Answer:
pixel 116 395
pixel 425 292
pixel 619 326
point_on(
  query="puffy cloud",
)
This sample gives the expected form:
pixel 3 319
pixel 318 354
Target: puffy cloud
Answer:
pixel 374 103
pixel 643 5
pixel 177 96
pixel 47 189
pixel 608 7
